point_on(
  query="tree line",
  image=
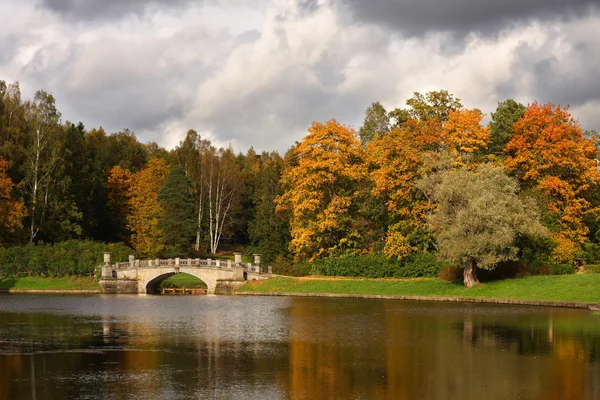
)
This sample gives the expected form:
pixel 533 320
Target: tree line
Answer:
pixel 429 179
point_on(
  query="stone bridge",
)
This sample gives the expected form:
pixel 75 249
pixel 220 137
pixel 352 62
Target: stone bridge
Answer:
pixel 145 276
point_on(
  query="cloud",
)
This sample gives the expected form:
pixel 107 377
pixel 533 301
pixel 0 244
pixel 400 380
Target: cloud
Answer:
pixel 101 9
pixel 246 72
pixel 420 17
pixel 117 9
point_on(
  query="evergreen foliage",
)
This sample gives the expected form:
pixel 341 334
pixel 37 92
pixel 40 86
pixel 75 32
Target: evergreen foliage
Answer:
pixel 177 221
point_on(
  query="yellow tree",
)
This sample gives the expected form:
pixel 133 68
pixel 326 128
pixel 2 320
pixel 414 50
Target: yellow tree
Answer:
pixel 321 179
pixel 549 152
pixel 400 158
pixel 145 209
pixel 11 211
pixel 119 190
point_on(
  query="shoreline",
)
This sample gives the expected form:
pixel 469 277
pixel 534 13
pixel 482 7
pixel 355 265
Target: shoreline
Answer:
pixel 443 299
pixel 51 291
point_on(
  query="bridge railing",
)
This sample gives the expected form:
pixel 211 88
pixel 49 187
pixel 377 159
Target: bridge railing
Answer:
pixel 184 262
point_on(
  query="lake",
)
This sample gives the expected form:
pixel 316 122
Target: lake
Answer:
pixel 197 347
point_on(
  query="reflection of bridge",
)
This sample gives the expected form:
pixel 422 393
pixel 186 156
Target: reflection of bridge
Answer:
pixel 145 276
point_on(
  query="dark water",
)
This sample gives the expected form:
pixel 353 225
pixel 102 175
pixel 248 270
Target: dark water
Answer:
pixel 197 347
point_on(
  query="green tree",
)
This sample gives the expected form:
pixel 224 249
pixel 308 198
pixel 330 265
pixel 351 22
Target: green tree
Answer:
pixel 479 217
pixel 375 125
pixel 507 114
pixel 433 106
pixel 269 232
pixel 177 221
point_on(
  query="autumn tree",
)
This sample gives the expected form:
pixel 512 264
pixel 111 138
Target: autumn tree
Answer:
pixel 479 217
pixel 397 160
pixel 146 212
pixel 320 179
pixel 12 211
pixel 548 152
pixel 433 106
pixel 118 188
pixel 375 125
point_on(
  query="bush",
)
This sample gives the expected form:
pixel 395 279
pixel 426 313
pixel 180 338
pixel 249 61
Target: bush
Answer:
pixel 284 266
pixel 378 266
pixel 592 268
pixel 562 269
pixel 451 274
pixel 70 258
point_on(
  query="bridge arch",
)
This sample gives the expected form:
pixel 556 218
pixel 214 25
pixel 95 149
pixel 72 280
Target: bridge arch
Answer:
pixel 148 278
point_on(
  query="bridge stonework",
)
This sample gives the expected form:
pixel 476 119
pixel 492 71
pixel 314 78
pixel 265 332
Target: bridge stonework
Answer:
pixel 141 276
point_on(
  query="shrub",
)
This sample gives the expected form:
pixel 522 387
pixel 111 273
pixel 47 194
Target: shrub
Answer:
pixel 562 269
pixel 592 268
pixel 70 258
pixel 451 274
pixel 378 266
pixel 285 266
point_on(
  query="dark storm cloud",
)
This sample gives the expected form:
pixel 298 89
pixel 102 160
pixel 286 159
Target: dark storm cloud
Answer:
pixel 100 9
pixel 572 79
pixel 419 17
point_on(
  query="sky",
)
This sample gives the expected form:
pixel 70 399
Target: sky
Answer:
pixel 258 72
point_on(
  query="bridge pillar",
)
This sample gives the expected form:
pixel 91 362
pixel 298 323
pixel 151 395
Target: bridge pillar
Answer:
pixel 237 258
pixel 106 268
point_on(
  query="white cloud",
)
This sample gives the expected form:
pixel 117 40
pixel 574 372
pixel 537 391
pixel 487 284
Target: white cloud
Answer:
pixel 258 73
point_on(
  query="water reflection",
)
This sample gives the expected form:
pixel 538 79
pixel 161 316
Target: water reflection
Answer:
pixel 93 347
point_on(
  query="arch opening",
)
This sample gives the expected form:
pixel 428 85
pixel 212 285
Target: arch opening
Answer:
pixel 174 280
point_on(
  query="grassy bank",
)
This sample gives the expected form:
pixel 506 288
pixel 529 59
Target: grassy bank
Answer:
pixel 37 283
pixel 578 288
pixel 183 281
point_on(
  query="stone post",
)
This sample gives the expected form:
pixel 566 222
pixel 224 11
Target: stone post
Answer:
pixel 270 269
pixel 131 260
pixel 237 258
pixel 177 262
pixel 157 262
pixel 229 263
pixel 257 262
pixel 106 268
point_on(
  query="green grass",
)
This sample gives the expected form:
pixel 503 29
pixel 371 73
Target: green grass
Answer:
pixel 183 280
pixel 581 288
pixel 38 283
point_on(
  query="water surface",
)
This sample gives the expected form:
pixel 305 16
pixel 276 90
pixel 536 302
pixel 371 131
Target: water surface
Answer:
pixel 197 347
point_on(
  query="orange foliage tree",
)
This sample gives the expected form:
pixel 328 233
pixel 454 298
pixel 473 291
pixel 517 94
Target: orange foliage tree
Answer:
pixel 397 160
pixel 119 190
pixel 549 152
pixel 145 209
pixel 12 211
pixel 321 179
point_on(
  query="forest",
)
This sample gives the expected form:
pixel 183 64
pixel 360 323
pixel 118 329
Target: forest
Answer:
pixel 425 189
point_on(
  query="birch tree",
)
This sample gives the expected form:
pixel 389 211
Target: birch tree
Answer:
pixel 190 155
pixel 222 183
pixel 41 153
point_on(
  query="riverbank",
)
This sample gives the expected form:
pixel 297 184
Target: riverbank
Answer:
pixel 559 290
pixel 51 285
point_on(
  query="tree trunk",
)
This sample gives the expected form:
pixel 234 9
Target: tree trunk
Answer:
pixel 469 277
